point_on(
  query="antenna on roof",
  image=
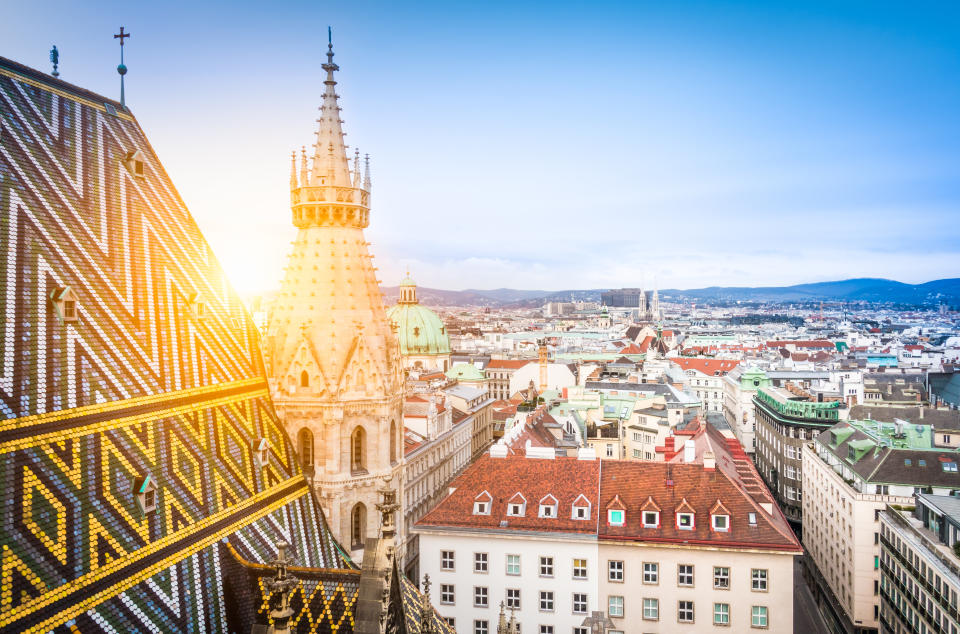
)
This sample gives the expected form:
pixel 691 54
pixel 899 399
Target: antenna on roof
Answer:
pixel 121 68
pixel 55 60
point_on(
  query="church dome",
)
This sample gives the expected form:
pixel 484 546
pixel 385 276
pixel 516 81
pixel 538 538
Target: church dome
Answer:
pixel 419 329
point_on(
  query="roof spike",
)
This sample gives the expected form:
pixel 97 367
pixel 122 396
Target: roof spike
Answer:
pixel 330 134
pixel 293 169
pixel 356 169
pixel 303 165
pixel 366 172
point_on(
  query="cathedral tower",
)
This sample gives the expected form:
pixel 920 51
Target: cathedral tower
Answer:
pixel 332 358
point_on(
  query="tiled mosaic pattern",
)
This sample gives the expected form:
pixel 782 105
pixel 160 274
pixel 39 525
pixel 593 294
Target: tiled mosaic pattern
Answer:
pixel 159 375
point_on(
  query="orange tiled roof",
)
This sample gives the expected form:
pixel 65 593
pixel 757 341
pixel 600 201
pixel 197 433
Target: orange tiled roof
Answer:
pixel 712 367
pixel 514 364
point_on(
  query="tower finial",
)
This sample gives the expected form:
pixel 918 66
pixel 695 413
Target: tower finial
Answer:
pixel 356 169
pixel 293 169
pixel 366 172
pixel 122 69
pixel 55 60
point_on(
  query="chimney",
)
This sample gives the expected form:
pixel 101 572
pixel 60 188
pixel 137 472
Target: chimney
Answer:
pixel 709 461
pixel 689 451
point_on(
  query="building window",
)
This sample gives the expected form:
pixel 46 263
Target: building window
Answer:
pixel 721 614
pixel 446 560
pixel 305 441
pixel 685 575
pixel 481 504
pixel 581 511
pixel 651 519
pixel 651 609
pixel 546 629
pixel 758 580
pixel 685 611
pixel 481 627
pixel 609 451
pixel 579 603
pixel 452 622
pixel 615 570
pixel 145 490
pixel 358 458
pixel 513 564
pixel 721 578
pixel 615 517
pixel 721 523
pixel 615 606
pixel 480 597
pixel 517 506
pixel 304 379
pixel 446 594
pixel 263 452
pixel 546 566
pixel 579 568
pixel 651 573
pixel 546 601
pixel 685 521
pixel 548 506
pixel 758 616
pixel 480 562
pixel 581 630
pixel 513 598
pixel 358 525
pixel 752 518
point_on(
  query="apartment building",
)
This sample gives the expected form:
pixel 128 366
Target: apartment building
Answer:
pixel 919 568
pixel 851 472
pixel 659 547
pixel 705 379
pixel 787 418
pixel 740 385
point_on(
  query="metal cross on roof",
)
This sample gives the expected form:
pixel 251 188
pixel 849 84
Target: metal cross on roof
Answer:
pixel 122 69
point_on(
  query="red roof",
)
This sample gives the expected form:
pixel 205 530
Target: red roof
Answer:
pixel 513 364
pixel 712 367
pixel 564 478
pixel 630 484
pixel 913 347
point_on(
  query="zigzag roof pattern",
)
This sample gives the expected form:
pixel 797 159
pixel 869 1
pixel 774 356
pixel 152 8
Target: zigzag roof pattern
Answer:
pixel 154 372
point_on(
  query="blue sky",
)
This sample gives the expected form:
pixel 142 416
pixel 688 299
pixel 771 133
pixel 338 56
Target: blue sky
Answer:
pixel 555 145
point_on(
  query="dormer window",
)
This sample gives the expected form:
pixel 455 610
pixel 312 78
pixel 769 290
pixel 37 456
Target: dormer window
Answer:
pixel 517 505
pixel 145 491
pixel 685 521
pixel 481 504
pixel 651 519
pixel 548 506
pixel 616 517
pixel 263 452
pixel 752 518
pixel 720 517
pixel 64 302
pixel 581 508
pixel 134 163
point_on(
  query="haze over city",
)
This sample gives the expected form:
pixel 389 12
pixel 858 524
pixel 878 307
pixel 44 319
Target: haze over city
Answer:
pixel 556 146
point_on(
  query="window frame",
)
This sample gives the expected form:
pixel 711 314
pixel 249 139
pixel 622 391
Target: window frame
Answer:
pixel 656 609
pixel 547 597
pixel 444 592
pixel 618 570
pixel 717 577
pixel 481 563
pixel 512 574
pixel 654 573
pixel 577 568
pixel 681 608
pixel 546 562
pixel 693 521
pixel 656 519
pixel 512 602
pixel 681 574
pixel 610 516
pixel 481 592
pixel 765 615
pixel 726 521
pixel 762 579
pixel 611 600
pixel 721 613
pixel 580 598
pixel 444 560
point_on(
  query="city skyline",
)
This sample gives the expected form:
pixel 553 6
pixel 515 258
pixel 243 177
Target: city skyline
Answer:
pixel 716 144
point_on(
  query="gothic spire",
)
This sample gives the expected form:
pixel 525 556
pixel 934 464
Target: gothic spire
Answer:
pixel 366 173
pixel 330 134
pixel 293 169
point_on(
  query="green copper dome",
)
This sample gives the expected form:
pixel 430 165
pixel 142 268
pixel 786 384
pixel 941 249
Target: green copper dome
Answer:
pixel 419 329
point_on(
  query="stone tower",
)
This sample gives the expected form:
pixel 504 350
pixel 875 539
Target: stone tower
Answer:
pixel 332 358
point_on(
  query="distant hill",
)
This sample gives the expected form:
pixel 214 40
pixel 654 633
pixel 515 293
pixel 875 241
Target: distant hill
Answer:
pixel 859 289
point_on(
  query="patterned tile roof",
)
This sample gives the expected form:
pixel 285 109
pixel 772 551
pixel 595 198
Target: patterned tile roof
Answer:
pixel 710 367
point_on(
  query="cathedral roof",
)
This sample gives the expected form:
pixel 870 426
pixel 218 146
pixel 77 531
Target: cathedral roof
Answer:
pixel 153 376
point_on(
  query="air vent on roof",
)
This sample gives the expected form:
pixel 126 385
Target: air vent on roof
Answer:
pixel 110 109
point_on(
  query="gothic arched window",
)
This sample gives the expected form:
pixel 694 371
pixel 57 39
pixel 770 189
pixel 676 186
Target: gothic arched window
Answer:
pixel 305 444
pixel 304 379
pixel 393 442
pixel 358 525
pixel 358 458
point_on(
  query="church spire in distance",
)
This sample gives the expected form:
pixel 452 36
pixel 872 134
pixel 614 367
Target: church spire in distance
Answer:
pixel 327 162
